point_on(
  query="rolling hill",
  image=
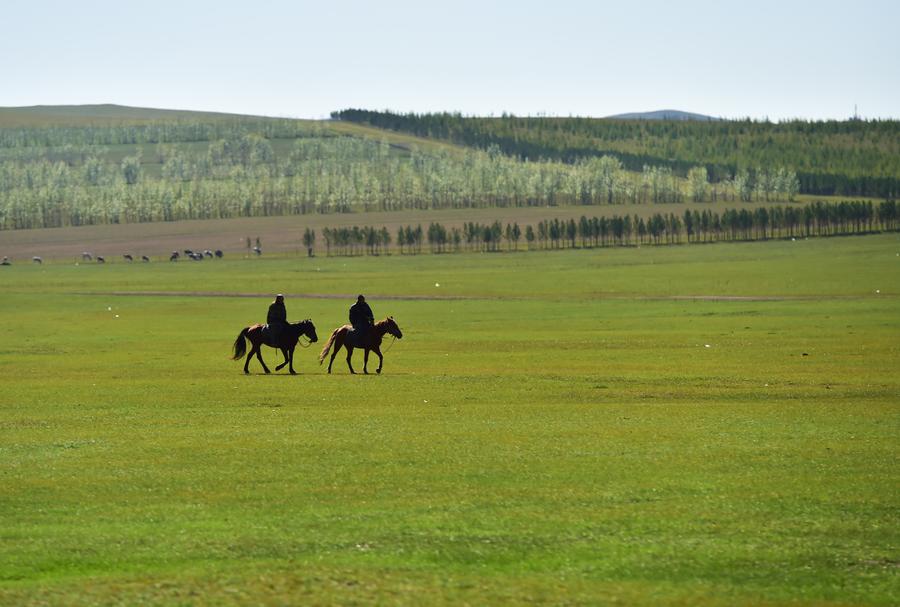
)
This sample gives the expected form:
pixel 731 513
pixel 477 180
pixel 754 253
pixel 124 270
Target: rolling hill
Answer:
pixel 664 115
pixel 845 158
pixel 109 164
pixel 82 115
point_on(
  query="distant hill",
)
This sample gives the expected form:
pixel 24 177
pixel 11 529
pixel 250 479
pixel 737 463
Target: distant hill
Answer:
pixel 664 115
pixel 82 115
pixel 846 158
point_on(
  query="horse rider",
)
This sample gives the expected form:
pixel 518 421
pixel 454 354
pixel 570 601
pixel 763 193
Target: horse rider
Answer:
pixel 277 318
pixel 361 316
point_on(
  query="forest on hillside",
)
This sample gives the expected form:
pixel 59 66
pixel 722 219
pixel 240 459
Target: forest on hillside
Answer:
pixel 28 142
pixel 847 158
pixel 69 176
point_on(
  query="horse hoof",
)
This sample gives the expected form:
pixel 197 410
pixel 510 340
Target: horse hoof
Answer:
pixel 293 373
pixel 378 371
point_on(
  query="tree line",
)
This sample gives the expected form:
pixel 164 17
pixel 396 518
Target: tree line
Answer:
pixel 849 158
pixel 693 226
pixel 69 139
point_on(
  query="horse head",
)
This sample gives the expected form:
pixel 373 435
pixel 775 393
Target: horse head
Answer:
pixel 309 329
pixel 390 326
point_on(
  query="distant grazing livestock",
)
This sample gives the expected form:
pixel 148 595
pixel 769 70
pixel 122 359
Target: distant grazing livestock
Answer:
pixel 128 257
pixel 37 259
pixel 188 252
pixel 196 256
pixel 145 259
pixel 208 253
pixel 219 253
pixel 257 250
pixel 100 259
pixel 5 262
pixel 174 256
pixel 85 256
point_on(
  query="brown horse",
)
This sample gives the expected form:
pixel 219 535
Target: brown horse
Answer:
pixel 258 337
pixel 372 342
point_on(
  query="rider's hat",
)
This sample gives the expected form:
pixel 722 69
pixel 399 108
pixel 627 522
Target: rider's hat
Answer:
pixel 360 298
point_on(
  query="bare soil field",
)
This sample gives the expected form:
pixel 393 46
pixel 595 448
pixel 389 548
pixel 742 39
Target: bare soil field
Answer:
pixel 279 235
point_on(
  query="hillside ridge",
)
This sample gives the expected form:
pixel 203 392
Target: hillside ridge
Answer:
pixel 664 115
pixel 79 115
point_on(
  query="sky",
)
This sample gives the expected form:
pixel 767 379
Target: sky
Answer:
pixel 766 59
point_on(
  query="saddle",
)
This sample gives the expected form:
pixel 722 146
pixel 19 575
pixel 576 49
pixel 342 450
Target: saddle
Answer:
pixel 265 332
pixel 357 338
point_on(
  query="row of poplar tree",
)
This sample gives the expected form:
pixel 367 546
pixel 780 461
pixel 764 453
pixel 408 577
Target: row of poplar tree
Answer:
pixel 691 226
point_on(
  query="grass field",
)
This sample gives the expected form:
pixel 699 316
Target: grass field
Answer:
pixel 703 425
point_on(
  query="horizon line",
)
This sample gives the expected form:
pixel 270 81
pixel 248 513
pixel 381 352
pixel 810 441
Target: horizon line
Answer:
pixel 491 114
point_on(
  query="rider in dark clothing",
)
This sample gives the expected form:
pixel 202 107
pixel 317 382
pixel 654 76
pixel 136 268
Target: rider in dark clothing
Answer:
pixel 277 318
pixel 361 316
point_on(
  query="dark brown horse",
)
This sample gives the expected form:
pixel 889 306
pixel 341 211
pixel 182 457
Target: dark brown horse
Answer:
pixel 372 341
pixel 258 337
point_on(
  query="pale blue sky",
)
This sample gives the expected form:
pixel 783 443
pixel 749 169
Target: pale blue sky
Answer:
pixel 776 59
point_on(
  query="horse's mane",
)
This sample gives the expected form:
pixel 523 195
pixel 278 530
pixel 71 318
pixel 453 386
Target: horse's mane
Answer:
pixel 299 327
pixel 384 322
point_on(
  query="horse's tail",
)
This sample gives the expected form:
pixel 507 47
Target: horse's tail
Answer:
pixel 328 345
pixel 240 345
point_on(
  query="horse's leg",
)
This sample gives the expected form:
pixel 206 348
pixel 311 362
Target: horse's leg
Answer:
pixel 290 357
pixel 377 350
pixel 261 361
pixel 254 348
pixel 284 353
pixel 350 354
pixel 366 361
pixel 338 344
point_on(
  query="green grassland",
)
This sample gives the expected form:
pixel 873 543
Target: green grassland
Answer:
pixel 712 425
